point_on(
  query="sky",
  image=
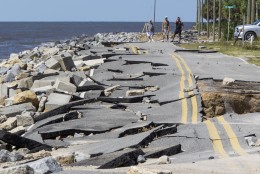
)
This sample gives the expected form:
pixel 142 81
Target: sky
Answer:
pixel 96 10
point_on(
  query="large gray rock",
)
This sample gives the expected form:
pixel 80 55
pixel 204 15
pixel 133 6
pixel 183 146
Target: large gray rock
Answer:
pixel 55 100
pixel 25 83
pixel 65 87
pixel 45 165
pixel 40 68
pixel 14 110
pixel 6 156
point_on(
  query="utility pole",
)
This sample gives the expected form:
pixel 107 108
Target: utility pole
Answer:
pixel 256 11
pixel 219 19
pixel 214 19
pixel 154 14
pixel 253 11
pixel 199 11
pixel 248 11
pixel 197 17
pixel 207 18
pixel 202 9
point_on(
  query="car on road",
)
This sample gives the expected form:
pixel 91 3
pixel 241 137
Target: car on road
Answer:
pixel 249 30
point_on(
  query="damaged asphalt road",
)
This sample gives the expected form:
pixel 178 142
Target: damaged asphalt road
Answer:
pixel 127 105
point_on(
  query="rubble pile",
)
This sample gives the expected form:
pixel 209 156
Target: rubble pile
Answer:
pixel 80 103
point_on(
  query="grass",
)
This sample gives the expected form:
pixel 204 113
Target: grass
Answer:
pixel 252 53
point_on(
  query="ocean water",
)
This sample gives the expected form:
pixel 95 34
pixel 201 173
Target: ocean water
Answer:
pixel 19 36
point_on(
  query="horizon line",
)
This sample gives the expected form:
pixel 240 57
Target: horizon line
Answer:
pixel 82 21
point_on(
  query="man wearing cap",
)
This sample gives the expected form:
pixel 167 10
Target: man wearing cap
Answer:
pixel 166 28
pixel 150 30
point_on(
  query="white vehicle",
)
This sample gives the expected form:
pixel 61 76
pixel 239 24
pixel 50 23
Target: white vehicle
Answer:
pixel 249 31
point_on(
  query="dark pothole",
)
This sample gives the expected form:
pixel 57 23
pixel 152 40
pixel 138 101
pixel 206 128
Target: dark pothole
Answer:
pixel 239 97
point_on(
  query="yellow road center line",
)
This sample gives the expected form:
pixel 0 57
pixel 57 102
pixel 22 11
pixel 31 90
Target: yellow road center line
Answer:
pixel 184 117
pixel 216 141
pixel 232 136
pixel 193 99
pixel 138 50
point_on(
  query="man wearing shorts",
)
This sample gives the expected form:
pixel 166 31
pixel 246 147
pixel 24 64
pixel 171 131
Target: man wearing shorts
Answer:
pixel 179 28
pixel 166 28
pixel 150 30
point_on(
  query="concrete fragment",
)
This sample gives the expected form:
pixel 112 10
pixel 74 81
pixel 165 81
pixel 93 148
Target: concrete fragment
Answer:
pixel 65 87
pixel 42 83
pixel 228 81
pixel 41 68
pixel 25 83
pixel 14 110
pixel 22 75
pixel 52 63
pixel 141 159
pixel 24 120
pixel 90 94
pixel 6 156
pixel 251 140
pixel 66 63
pixel 135 92
pixel 9 77
pixel 76 80
pixel 25 97
pixel 55 100
pixel 109 91
pixel 164 160
pixel 9 124
pixel 15 70
pixel 42 103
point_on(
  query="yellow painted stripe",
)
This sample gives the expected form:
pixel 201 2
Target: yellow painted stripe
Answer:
pixel 184 117
pixel 216 141
pixel 232 136
pixel 133 49
pixel 193 99
pixel 138 50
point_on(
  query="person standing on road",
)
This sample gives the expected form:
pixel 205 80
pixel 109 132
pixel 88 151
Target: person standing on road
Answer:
pixel 150 30
pixel 166 28
pixel 179 28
